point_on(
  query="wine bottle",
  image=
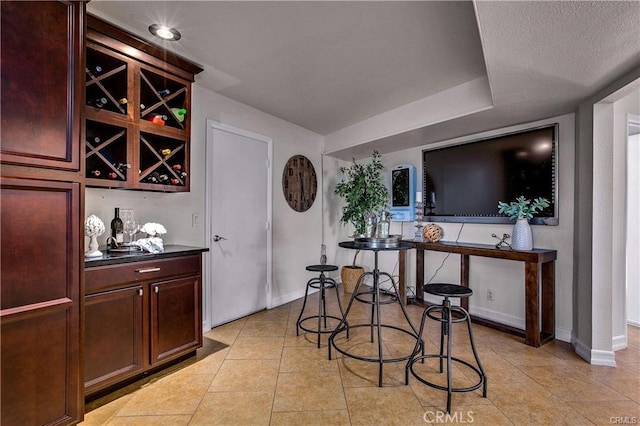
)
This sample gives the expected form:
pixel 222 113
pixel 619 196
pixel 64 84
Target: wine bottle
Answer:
pixel 176 167
pixel 123 101
pixel 99 102
pixel 142 106
pixel 97 69
pixel 96 140
pixel 179 113
pixel 117 231
pixel 175 181
pixel 95 173
pixel 163 178
pixel 112 175
pixel 122 167
pixel 164 92
pixel 154 177
pixel 158 119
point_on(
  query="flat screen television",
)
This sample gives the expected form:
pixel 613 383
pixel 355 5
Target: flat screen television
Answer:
pixel 463 183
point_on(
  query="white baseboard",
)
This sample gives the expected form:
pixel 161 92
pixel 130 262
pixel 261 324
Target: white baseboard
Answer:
pixel 498 317
pixel 619 342
pixel 633 323
pixel 563 335
pixel 592 356
pixel 289 297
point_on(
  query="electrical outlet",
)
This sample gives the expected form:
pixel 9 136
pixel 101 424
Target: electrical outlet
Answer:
pixel 195 220
pixel 490 295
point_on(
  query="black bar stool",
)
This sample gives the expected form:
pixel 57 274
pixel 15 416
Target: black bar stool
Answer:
pixel 322 283
pixel 446 318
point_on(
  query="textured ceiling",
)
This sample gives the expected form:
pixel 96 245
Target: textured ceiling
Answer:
pixel 328 65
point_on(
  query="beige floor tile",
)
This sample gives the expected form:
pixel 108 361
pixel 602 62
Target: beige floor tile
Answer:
pixel 280 313
pixel 300 359
pixel 170 395
pixel 629 388
pixel 234 408
pixel 263 329
pixel 309 391
pixel 309 418
pixel 356 373
pixel 252 347
pixel 609 412
pixel 102 414
pixel 549 413
pixel 246 375
pixel 396 405
pixel 150 421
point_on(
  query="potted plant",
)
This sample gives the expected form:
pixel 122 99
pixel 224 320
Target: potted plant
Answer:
pixel 522 210
pixel 364 193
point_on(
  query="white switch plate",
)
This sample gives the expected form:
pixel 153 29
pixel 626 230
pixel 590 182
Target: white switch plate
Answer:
pixel 195 220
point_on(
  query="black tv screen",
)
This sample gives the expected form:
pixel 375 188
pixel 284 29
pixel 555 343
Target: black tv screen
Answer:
pixel 464 183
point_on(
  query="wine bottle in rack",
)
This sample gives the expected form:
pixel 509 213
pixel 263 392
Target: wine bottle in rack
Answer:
pixel 122 167
pixel 179 113
pixel 99 102
pixel 96 139
pixel 96 69
pixel 112 175
pixel 123 101
pixel 142 106
pixel 163 178
pixel 158 119
pixel 164 92
pixel 154 177
pixel 176 167
pixel 117 229
pixel 174 181
pixel 95 173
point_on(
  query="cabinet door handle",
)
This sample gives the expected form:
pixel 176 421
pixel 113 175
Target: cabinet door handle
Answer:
pixel 144 271
pixel 140 291
pixel 156 289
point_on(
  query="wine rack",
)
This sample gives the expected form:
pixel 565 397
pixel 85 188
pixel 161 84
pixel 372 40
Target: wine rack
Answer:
pixel 137 113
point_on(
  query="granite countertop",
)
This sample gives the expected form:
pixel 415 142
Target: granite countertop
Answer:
pixel 113 258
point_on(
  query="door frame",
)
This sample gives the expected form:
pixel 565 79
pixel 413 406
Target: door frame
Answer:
pixel 208 264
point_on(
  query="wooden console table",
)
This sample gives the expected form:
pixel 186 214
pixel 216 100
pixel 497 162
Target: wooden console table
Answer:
pixel 539 284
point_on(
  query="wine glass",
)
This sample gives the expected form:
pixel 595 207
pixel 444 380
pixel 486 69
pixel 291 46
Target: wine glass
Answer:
pixel 131 227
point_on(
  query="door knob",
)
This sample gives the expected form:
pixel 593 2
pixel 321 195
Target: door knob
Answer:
pixel 217 238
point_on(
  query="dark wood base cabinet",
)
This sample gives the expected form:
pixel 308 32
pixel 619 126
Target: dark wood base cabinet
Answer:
pixel 139 316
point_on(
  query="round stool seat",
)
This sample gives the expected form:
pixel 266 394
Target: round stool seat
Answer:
pixel 322 268
pixel 447 290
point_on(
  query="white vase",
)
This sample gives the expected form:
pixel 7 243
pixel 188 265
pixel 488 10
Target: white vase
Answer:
pixel 522 238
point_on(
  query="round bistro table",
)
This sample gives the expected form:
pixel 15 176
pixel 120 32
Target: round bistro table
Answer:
pixel 372 296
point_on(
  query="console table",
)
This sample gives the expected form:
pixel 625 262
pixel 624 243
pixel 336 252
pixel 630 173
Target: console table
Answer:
pixel 539 280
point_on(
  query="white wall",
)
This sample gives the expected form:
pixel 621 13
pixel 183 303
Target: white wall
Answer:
pixel 633 232
pixel 504 277
pixel 630 104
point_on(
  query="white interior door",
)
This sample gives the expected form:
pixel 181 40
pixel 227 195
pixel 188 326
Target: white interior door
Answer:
pixel 238 219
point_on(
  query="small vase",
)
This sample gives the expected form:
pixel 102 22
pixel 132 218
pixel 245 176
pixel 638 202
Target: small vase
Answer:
pixel 522 238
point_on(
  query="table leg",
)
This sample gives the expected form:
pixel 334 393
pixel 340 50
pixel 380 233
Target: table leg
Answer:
pixel 532 306
pixel 464 278
pixel 419 275
pixel 548 300
pixel 402 287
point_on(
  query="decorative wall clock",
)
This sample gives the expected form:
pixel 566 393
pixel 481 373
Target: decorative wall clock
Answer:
pixel 299 183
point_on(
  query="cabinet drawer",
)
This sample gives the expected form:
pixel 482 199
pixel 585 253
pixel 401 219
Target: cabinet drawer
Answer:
pixel 103 278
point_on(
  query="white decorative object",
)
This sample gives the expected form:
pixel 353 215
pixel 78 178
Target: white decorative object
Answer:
pixel 93 228
pixel 151 244
pixel 521 237
pixel 153 229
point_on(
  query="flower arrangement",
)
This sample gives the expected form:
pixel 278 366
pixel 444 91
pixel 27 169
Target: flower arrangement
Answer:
pixel 153 229
pixel 522 208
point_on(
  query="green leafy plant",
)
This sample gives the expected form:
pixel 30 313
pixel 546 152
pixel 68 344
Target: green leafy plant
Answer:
pixel 363 191
pixel 522 208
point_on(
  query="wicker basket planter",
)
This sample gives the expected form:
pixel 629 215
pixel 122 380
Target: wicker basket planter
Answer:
pixel 349 276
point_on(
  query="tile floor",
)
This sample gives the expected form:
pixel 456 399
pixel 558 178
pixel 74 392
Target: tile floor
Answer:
pixel 255 371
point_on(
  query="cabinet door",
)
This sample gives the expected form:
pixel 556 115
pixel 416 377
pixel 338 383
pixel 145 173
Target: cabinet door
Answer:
pixel 176 318
pixel 41 62
pixel 40 306
pixel 113 337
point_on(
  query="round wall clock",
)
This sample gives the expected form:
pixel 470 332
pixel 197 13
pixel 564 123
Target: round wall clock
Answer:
pixel 299 183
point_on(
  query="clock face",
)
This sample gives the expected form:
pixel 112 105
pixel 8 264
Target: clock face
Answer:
pixel 299 183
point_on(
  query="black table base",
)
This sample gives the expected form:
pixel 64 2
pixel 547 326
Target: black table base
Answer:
pixel 376 324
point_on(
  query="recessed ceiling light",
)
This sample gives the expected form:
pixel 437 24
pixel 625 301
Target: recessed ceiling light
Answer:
pixel 164 33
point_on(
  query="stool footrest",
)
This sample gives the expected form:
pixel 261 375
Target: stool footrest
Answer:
pixel 444 388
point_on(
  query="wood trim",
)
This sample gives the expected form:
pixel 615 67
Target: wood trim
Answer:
pixel 149 52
